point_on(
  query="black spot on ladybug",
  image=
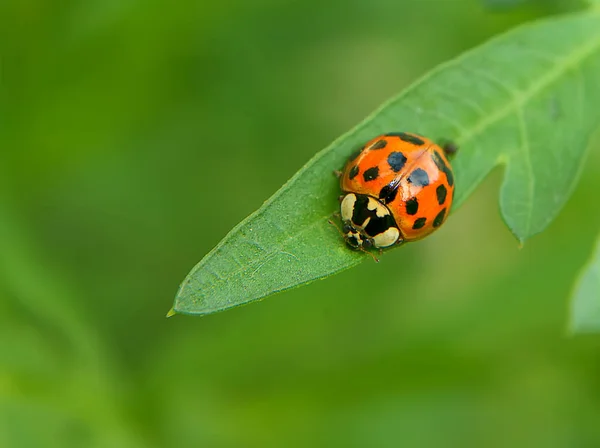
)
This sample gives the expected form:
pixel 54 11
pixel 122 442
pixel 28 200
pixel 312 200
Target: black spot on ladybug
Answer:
pixel 371 173
pixel 353 172
pixel 409 138
pixel 412 206
pixel 439 162
pixel 379 225
pixel 450 176
pixel 441 192
pixel 396 160
pixel 419 178
pixel 379 144
pixel 388 193
pixel 439 219
pixel 355 154
pixel 419 223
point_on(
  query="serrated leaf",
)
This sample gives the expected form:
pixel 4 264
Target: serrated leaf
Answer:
pixel 585 302
pixel 528 100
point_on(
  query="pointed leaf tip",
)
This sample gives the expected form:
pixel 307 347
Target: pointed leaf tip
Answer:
pixel 521 114
pixel 171 313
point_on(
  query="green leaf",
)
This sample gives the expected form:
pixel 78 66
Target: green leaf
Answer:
pixel 528 100
pixel 505 4
pixel 585 302
pixel 570 5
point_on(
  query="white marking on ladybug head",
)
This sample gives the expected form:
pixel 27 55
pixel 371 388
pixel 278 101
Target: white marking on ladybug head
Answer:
pixel 347 206
pixel 376 206
pixel 387 238
pixel 364 224
pixel 353 239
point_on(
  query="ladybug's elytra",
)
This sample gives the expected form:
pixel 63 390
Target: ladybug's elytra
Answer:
pixel 398 187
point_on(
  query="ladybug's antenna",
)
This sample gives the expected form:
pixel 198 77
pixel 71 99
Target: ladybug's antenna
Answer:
pixel 362 249
pixel 336 228
pixel 375 259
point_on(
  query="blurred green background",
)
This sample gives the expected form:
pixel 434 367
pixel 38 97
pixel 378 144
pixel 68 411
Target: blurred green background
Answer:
pixel 135 134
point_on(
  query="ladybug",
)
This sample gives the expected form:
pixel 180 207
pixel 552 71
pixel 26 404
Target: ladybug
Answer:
pixel 398 187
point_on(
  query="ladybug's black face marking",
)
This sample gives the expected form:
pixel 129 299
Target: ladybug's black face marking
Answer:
pixel 419 178
pixel 353 240
pixel 412 206
pixel 439 162
pixel 379 225
pixel 439 219
pixel 360 212
pixel 396 161
pixel 353 172
pixel 407 138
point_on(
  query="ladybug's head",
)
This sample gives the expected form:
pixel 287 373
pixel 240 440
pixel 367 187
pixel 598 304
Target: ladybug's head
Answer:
pixel 367 223
pixel 355 239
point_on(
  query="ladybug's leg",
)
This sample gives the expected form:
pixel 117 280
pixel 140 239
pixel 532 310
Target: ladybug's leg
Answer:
pixel 337 173
pixel 341 198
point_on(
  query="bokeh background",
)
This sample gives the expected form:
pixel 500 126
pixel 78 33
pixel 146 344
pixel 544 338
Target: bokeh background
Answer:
pixel 135 134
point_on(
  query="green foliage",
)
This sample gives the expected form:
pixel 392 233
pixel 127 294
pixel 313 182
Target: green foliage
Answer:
pixel 527 100
pixel 113 121
pixel 505 3
pixel 560 5
pixel 585 303
pixel 27 353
